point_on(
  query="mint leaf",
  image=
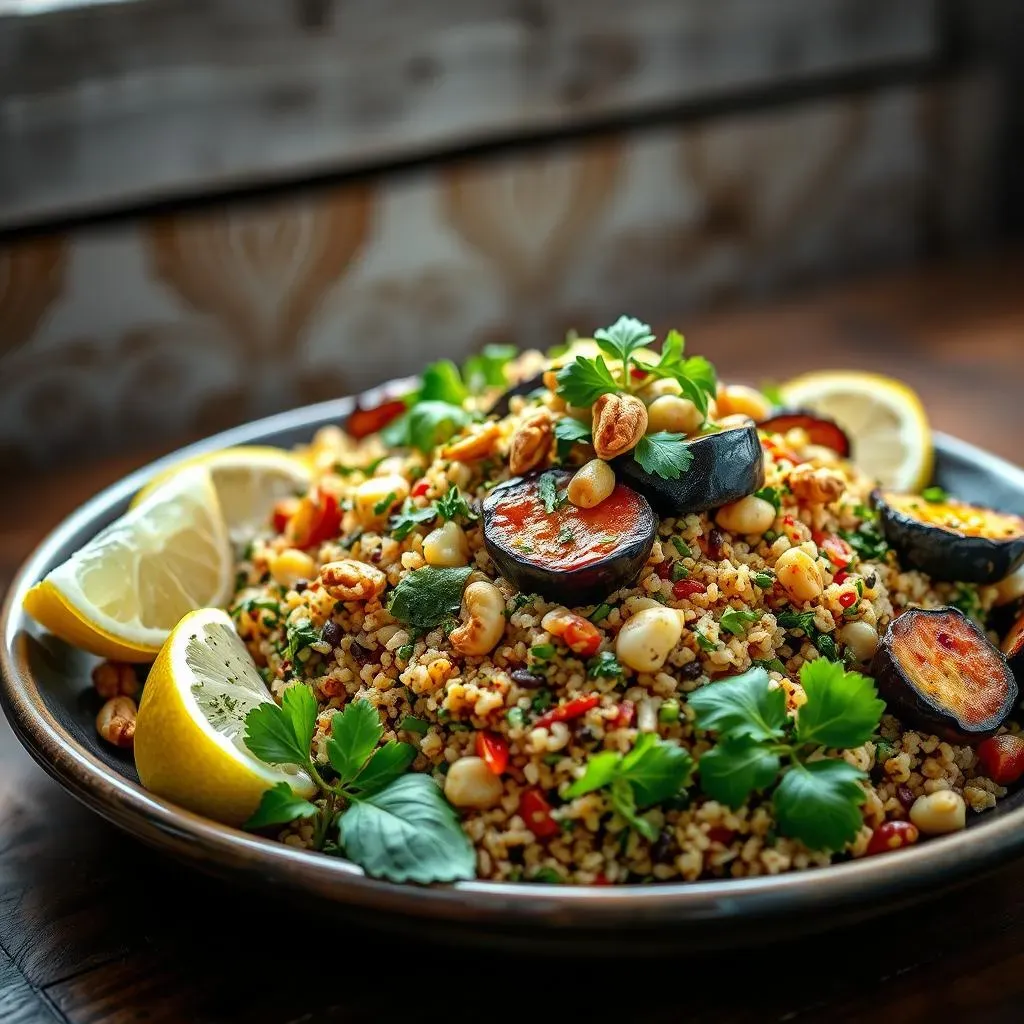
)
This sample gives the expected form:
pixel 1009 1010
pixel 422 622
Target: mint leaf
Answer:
pixel 601 769
pixel 427 596
pixel 355 732
pixel 735 768
pixel 818 802
pixel 735 621
pixel 386 765
pixel 452 505
pixel 407 832
pixel 842 708
pixel 623 800
pixel 279 806
pixel 283 734
pixel 663 454
pixel 656 769
pixel 584 381
pixel 442 382
pixel 741 706
pixel 409 517
pixel 569 432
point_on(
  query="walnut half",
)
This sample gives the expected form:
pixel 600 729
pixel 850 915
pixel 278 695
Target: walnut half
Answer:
pixel 619 423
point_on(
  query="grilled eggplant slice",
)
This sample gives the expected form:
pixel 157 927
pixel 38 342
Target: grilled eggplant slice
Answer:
pixel 576 556
pixel 820 429
pixel 939 673
pixel 951 540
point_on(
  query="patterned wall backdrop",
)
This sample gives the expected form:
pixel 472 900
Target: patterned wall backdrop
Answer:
pixel 143 332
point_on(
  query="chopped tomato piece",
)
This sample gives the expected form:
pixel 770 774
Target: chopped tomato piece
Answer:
pixel 687 588
pixel 318 519
pixel 420 488
pixel 364 422
pixel 891 835
pixel 624 715
pixel 283 512
pixel 494 751
pixel 582 637
pixel 566 712
pixel 837 551
pixel 536 813
pixel 1002 758
pixel 848 600
pixel 842 576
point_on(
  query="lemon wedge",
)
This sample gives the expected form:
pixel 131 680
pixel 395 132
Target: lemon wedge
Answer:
pixel 249 479
pixel 892 440
pixel 189 743
pixel 122 594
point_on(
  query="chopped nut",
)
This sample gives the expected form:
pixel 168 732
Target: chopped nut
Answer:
pixel 349 580
pixel 619 423
pixel 116 721
pixel 114 679
pixel 531 443
pixel 813 486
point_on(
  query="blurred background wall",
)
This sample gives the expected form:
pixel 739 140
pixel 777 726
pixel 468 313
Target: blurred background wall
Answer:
pixel 209 212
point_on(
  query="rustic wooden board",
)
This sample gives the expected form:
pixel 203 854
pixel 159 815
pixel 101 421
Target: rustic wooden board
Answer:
pixel 108 105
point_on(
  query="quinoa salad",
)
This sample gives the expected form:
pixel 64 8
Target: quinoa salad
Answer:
pixel 635 625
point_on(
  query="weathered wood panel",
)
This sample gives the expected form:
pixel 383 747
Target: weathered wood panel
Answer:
pixel 108 105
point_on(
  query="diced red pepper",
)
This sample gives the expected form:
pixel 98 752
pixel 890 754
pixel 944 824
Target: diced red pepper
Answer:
pixel 536 813
pixel 891 835
pixel 837 551
pixel 721 834
pixel 842 576
pixel 420 488
pixel 566 712
pixel 283 511
pixel 636 373
pixel 494 751
pixel 687 588
pixel 788 521
pixel 325 521
pixel 364 422
pixel 582 637
pixel 624 715
pixel 848 600
pixel 1002 758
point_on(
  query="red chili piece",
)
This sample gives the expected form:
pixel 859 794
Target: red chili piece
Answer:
pixel 891 835
pixel 636 373
pixel 848 600
pixel 582 637
pixel 624 717
pixel 565 712
pixel 283 511
pixel 494 751
pixel 364 422
pixel 837 551
pixel 420 488
pixel 326 520
pixel 601 880
pixel 536 813
pixel 1002 757
pixel 687 588
pixel 841 577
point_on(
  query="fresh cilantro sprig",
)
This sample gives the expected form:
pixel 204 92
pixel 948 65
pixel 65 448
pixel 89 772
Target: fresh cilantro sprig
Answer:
pixel 824 642
pixel 759 748
pixel 654 771
pixel 569 432
pixel 696 376
pixel 585 380
pixel 663 454
pixel 394 825
pixel 621 340
pixel 451 505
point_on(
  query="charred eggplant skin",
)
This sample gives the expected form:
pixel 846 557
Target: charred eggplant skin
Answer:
pixel 944 554
pixel 909 637
pixel 588 584
pixel 1013 647
pixel 523 388
pixel 820 429
pixel 727 465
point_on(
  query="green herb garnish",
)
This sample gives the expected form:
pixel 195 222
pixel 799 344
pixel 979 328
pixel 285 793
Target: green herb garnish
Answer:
pixel 935 495
pixel 487 368
pixel 773 495
pixel 569 432
pixel 678 572
pixel 409 517
pixel 547 491
pixel 600 613
pixel 453 505
pixel 428 596
pixel 736 622
pixel 867 540
pixel 703 642
pixel 300 635
pixel 764 580
pixel 604 666
pixel 695 376
pixel 664 454
pixel 413 724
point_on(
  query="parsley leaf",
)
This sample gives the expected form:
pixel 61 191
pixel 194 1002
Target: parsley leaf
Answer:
pixel 452 505
pixel 427 596
pixel 355 733
pixel 842 708
pixel 656 769
pixel 935 495
pixel 735 768
pixel 386 765
pixel 604 666
pixel 601 769
pixel 622 339
pixel 966 598
pixel 741 706
pixel 279 806
pixel 425 425
pixel 300 634
pixel 409 517
pixel 663 454
pixel 868 541
pixel 736 621
pixel 385 503
pixel 569 432
pixel 547 490
pixel 773 495
pixel 695 376
pixel 487 368
pixel 623 801
pixel 797 620
pixel 818 802
pixel 282 734
pixel 773 393
pixel 442 382
pixel 407 832
pixel 584 381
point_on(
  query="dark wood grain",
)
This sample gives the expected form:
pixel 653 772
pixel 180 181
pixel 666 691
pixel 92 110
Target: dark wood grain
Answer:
pixel 97 928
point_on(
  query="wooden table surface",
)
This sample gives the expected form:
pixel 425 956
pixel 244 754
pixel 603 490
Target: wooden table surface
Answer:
pixel 95 927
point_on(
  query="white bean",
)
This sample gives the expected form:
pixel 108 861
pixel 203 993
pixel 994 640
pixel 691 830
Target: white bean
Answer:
pixel 470 783
pixel 483 622
pixel 749 515
pixel 799 574
pixel 446 546
pixel 674 414
pixel 938 813
pixel 591 484
pixel 647 638
pixel 860 639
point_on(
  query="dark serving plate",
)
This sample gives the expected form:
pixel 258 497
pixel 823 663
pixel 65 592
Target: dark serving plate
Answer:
pixel 47 697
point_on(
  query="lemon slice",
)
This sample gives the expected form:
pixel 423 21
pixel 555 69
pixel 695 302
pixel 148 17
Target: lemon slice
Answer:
pixel 189 733
pixel 122 594
pixel 892 441
pixel 249 479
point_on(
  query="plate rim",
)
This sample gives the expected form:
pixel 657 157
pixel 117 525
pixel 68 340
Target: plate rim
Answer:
pixel 945 860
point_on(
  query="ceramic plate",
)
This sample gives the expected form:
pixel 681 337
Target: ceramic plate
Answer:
pixel 48 698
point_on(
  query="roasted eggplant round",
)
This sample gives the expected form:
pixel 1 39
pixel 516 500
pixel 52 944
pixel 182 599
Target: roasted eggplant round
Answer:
pixel 577 556
pixel 950 540
pixel 939 673
pixel 1013 647
pixel 727 465
pixel 820 429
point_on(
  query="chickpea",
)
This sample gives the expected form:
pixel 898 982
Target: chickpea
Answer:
pixel 393 465
pixel 748 516
pixel 799 574
pixel 470 783
pixel 446 546
pixel 483 622
pixel 738 399
pixel 291 565
pixel 674 414
pixel 661 386
pixel 116 721
pixel 591 484
pixel 940 812
pixel 647 638
pixel 373 494
pixel 861 640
